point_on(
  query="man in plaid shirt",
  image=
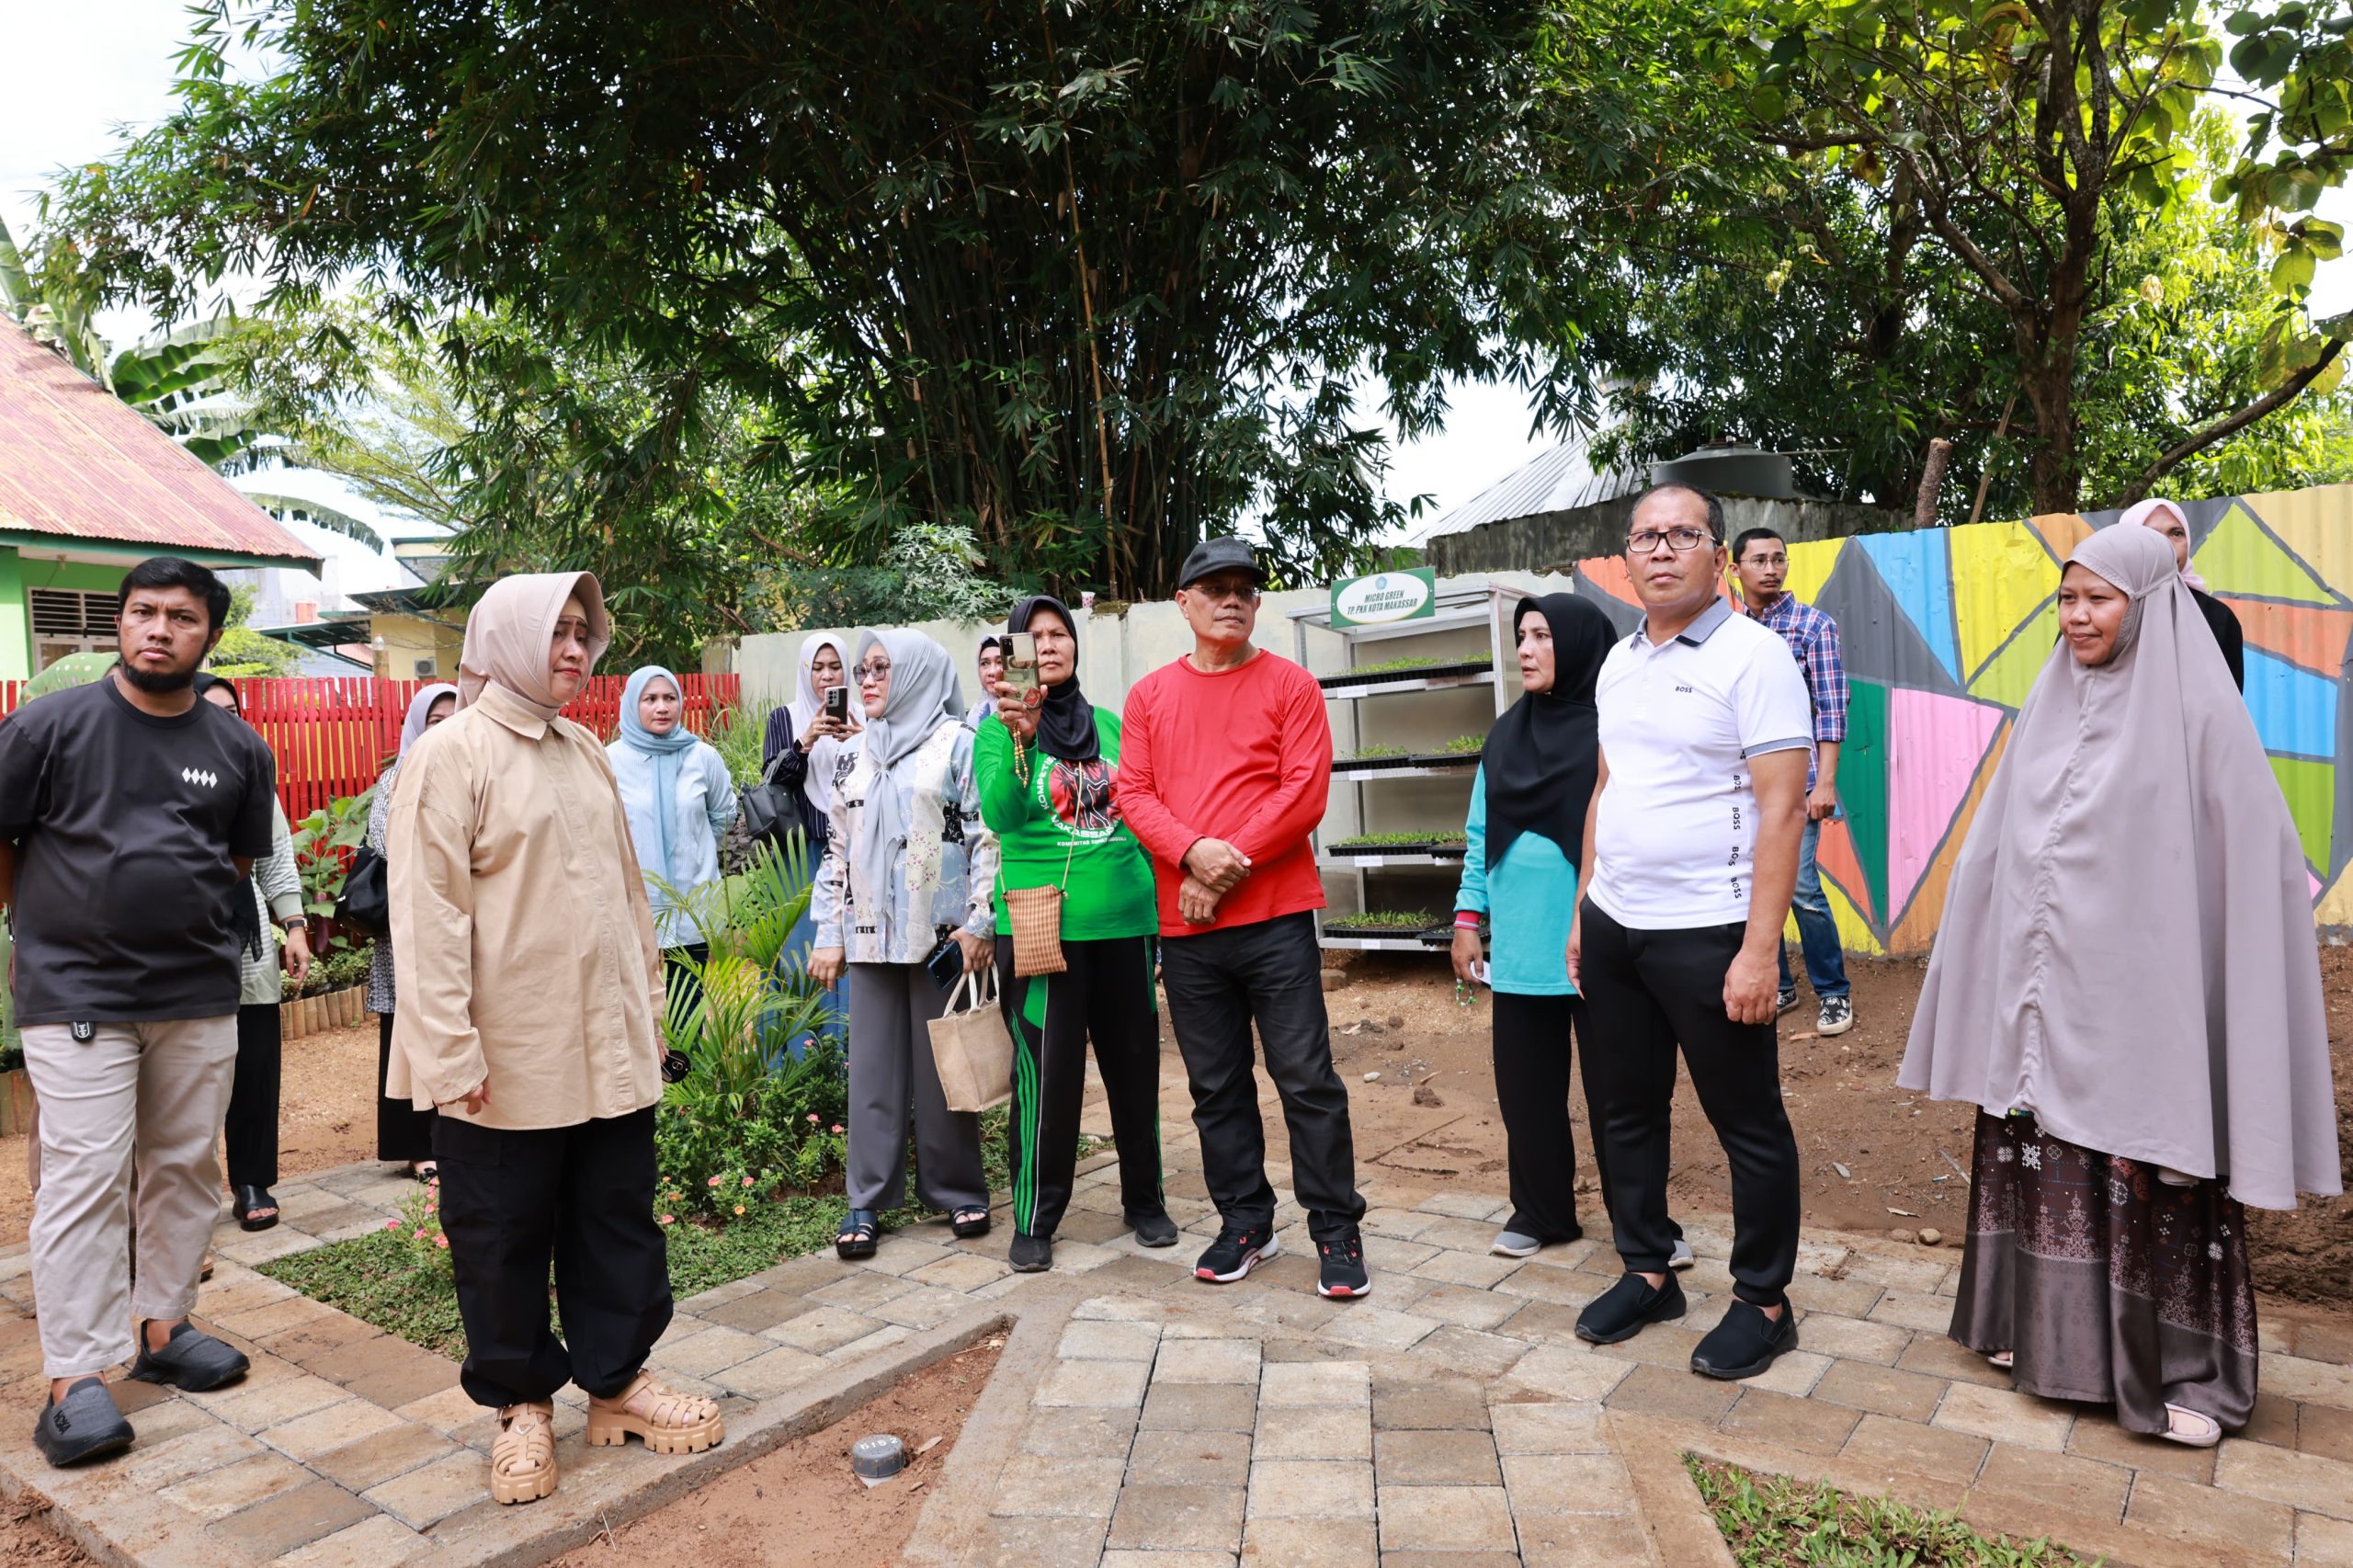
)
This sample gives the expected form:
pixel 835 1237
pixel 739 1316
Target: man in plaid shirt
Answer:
pixel 1760 562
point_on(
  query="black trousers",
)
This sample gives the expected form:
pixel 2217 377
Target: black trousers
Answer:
pixel 1645 990
pixel 580 1197
pixel 1531 1040
pixel 1220 983
pixel 403 1131
pixel 1105 993
pixel 251 1126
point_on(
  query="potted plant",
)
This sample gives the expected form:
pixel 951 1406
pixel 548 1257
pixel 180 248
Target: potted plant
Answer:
pixel 322 845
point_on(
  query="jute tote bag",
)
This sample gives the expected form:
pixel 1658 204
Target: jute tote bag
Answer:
pixel 971 1047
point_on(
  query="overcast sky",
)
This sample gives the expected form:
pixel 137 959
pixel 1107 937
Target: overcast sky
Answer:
pixel 103 64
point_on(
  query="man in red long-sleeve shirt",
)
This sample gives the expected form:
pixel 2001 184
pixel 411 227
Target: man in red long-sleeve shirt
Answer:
pixel 1224 769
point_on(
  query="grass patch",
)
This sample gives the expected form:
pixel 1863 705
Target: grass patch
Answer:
pixel 1462 745
pixel 1413 840
pixel 1771 1521
pixel 386 1278
pixel 1411 662
pixel 1372 754
pixel 1382 919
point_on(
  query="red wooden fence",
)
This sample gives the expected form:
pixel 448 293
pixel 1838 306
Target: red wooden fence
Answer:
pixel 333 735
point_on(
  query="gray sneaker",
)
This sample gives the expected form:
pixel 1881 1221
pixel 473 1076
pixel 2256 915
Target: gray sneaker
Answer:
pixel 190 1360
pixel 1837 1017
pixel 1680 1259
pixel 85 1425
pixel 1515 1243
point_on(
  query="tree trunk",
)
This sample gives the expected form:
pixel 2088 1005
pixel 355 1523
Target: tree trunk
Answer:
pixel 2053 473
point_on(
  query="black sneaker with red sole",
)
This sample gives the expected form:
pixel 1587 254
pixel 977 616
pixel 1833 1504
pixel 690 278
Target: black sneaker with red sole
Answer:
pixel 1233 1254
pixel 1343 1274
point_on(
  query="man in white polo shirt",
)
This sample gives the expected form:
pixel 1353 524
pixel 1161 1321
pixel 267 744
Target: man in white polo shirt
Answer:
pixel 1706 733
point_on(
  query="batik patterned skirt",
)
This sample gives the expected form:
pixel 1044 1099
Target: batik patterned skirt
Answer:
pixel 2105 1283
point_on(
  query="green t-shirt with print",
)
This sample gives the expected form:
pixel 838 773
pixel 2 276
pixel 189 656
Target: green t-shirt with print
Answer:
pixel 1062 829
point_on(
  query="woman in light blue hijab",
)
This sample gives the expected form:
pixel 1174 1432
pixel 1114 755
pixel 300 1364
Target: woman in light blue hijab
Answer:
pixel 680 803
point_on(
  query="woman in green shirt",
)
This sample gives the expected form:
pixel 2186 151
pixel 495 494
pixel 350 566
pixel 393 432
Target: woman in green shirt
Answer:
pixel 1044 762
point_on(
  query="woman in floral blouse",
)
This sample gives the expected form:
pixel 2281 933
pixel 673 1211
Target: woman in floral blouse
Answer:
pixel 908 869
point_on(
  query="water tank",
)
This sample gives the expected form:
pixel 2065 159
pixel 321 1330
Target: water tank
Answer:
pixel 1731 468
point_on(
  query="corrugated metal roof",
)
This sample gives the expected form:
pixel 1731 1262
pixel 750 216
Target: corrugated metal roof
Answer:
pixel 77 462
pixel 1554 480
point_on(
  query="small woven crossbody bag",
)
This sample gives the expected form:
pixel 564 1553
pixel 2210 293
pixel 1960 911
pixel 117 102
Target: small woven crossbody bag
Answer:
pixel 1035 914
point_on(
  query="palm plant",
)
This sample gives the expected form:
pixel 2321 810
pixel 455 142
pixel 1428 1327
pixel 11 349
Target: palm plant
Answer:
pixel 755 997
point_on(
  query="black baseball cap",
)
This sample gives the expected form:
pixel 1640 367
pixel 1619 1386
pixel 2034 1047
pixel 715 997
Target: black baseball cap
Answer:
pixel 1221 555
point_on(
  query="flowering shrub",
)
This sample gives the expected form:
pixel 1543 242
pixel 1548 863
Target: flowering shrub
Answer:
pixel 417 1232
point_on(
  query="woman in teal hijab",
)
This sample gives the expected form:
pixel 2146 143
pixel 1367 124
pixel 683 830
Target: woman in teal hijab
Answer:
pixel 680 803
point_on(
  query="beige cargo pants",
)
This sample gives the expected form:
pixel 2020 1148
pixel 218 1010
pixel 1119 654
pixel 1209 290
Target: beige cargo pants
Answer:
pixel 155 1092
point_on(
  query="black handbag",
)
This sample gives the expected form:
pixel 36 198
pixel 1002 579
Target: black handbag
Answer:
pixel 367 902
pixel 768 810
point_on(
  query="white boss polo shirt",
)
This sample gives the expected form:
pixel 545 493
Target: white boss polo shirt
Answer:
pixel 1674 846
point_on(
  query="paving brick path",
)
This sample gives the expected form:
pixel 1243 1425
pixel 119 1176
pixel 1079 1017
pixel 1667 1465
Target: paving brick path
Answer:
pixel 1143 1420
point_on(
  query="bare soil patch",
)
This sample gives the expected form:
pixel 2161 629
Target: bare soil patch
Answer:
pixel 1397 1016
pixel 26 1541
pixel 326 1116
pixel 801 1505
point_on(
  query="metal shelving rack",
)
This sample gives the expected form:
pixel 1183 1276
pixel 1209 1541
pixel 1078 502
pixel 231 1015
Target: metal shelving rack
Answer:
pixel 1488 605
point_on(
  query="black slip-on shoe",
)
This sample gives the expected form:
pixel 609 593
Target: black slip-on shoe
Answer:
pixel 1626 1308
pixel 191 1359
pixel 1234 1253
pixel 1342 1272
pixel 1745 1343
pixel 85 1425
pixel 1031 1255
pixel 1156 1230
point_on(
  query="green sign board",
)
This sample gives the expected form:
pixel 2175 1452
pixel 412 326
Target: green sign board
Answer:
pixel 1385 597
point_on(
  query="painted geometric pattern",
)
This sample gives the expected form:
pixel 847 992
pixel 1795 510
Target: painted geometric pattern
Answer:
pixel 1945 630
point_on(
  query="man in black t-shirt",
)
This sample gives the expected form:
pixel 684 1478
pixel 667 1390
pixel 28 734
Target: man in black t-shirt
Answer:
pixel 130 815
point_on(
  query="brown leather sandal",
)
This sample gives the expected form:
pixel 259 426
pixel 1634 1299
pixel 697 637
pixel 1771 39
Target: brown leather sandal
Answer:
pixel 522 1458
pixel 668 1422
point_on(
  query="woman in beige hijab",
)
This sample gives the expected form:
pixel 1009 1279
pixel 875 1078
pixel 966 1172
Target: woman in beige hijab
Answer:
pixel 2127 984
pixel 530 996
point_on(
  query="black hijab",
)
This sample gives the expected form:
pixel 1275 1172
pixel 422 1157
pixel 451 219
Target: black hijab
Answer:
pixel 1066 722
pixel 1543 754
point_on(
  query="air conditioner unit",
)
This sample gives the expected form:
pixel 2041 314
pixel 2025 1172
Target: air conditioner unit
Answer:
pixel 426 669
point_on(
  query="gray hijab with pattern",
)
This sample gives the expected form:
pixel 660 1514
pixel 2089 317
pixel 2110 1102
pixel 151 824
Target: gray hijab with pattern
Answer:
pixel 923 698
pixel 2127 949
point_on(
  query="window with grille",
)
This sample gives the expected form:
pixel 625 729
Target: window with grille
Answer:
pixel 72 612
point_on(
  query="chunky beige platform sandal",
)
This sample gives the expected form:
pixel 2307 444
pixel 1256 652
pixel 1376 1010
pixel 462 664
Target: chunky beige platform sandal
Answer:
pixel 522 1460
pixel 668 1422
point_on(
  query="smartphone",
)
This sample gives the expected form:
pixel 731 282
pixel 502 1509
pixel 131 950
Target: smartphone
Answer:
pixel 837 702
pixel 1021 666
pixel 946 964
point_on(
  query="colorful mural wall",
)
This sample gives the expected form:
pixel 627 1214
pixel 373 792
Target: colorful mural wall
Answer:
pixel 1945 630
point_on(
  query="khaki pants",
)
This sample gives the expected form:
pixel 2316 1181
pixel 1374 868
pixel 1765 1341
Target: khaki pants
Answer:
pixel 155 1091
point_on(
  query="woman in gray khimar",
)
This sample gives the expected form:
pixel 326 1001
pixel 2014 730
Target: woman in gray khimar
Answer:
pixel 2126 982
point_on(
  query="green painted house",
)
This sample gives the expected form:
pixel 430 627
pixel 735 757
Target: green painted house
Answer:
pixel 88 488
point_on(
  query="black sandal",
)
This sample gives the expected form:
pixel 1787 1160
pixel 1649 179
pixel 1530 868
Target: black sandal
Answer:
pixel 969 1222
pixel 856 1237
pixel 249 1199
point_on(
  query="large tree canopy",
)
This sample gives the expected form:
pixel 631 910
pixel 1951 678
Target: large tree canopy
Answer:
pixel 1087 279
pixel 2029 141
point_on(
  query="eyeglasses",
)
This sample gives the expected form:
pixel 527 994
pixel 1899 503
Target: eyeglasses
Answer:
pixel 1681 541
pixel 878 669
pixel 1241 593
